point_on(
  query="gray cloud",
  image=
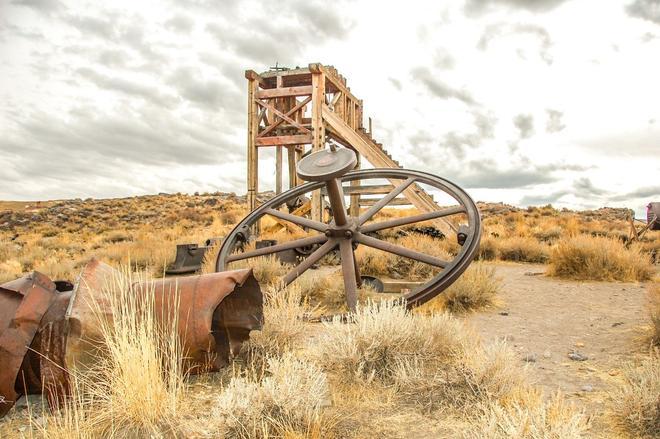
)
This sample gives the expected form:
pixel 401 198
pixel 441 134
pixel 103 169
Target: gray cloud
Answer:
pixel 209 93
pixel 486 174
pixel 395 82
pixel 439 88
pixel 539 33
pixel 542 199
pixel 180 23
pixel 585 188
pixel 480 6
pixel 525 125
pixel 651 193
pixel 554 123
pixel 144 91
pixel 46 6
pixel 645 9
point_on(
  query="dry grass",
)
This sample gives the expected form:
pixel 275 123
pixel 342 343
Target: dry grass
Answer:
pixel 597 258
pixel 284 312
pixel 654 311
pixel 476 288
pixel 523 249
pixel 637 401
pixel 286 402
pixel 136 387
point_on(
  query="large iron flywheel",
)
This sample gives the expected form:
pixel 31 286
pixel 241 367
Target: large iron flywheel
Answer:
pixel 328 170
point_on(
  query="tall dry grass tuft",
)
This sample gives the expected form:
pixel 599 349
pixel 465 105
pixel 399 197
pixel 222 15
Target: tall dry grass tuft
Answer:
pixel 654 311
pixel 268 270
pixel 595 258
pixel 522 249
pixel 637 402
pixel 383 338
pixel 136 386
pixel 476 288
pixel 530 419
pixel 284 312
pixel 286 402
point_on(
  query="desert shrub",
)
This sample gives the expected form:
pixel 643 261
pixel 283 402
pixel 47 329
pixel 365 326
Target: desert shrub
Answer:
pixel 284 326
pixel 654 311
pixel 522 249
pixel 487 249
pixel 476 288
pixel 548 235
pixel 636 402
pixel 267 269
pixel 531 418
pixel 286 402
pixel 589 258
pixel 384 337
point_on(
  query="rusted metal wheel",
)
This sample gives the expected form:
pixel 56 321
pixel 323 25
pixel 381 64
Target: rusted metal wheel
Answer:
pixel 344 231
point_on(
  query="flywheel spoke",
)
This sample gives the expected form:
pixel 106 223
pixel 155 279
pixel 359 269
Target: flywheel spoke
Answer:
pixel 309 261
pixel 399 250
pixel 348 271
pixel 302 242
pixel 412 219
pixel 373 210
pixel 299 220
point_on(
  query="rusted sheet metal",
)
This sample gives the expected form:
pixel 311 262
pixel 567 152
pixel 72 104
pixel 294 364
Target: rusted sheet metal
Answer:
pixel 216 313
pixel 211 330
pixel 23 303
pixel 653 215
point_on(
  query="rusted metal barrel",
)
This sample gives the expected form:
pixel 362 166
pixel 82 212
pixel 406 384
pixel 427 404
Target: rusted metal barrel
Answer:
pixel 45 332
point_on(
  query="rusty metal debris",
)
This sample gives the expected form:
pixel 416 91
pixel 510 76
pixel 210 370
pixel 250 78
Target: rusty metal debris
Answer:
pixel 189 257
pixel 47 328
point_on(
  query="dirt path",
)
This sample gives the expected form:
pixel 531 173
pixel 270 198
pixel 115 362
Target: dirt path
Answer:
pixel 545 319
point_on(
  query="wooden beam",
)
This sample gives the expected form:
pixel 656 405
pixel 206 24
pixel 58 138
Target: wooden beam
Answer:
pixel 252 151
pixel 371 189
pixel 293 177
pixel 284 92
pixel 297 139
pixel 394 202
pixel 282 115
pixel 291 112
pixel 318 129
pixel 278 169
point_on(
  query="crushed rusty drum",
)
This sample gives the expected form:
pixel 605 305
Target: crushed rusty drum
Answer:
pixel 47 328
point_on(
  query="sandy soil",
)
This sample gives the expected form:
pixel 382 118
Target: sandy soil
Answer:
pixel 546 319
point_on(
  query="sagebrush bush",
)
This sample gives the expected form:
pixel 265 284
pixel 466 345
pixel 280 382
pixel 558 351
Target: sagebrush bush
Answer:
pixel 476 288
pixel 286 402
pixel 637 401
pixel 596 258
pixel 522 249
pixel 654 311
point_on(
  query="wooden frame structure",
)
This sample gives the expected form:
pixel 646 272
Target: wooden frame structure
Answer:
pixel 300 110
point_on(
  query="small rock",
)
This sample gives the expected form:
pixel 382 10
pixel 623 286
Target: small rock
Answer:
pixel 579 344
pixel 504 313
pixel 587 388
pixel 615 324
pixel 529 358
pixel 614 372
pixel 577 356
pixel 547 354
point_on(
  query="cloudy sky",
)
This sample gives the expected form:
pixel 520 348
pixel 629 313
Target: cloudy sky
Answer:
pixel 521 101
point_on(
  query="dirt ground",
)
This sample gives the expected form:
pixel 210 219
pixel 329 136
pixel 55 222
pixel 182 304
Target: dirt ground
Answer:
pixel 546 319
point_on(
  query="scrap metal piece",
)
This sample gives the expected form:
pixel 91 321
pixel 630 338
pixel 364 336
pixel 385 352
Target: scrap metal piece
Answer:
pixel 189 257
pixel 23 303
pixel 653 215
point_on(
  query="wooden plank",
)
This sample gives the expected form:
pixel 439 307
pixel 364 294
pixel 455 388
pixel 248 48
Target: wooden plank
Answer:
pixel 373 189
pixel 354 207
pixel 395 202
pixel 297 139
pixel 291 159
pixel 270 93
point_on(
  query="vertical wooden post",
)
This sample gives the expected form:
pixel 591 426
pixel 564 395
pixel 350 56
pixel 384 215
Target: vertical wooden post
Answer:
pixel 291 155
pixel 252 151
pixel 354 210
pixel 278 169
pixel 318 128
